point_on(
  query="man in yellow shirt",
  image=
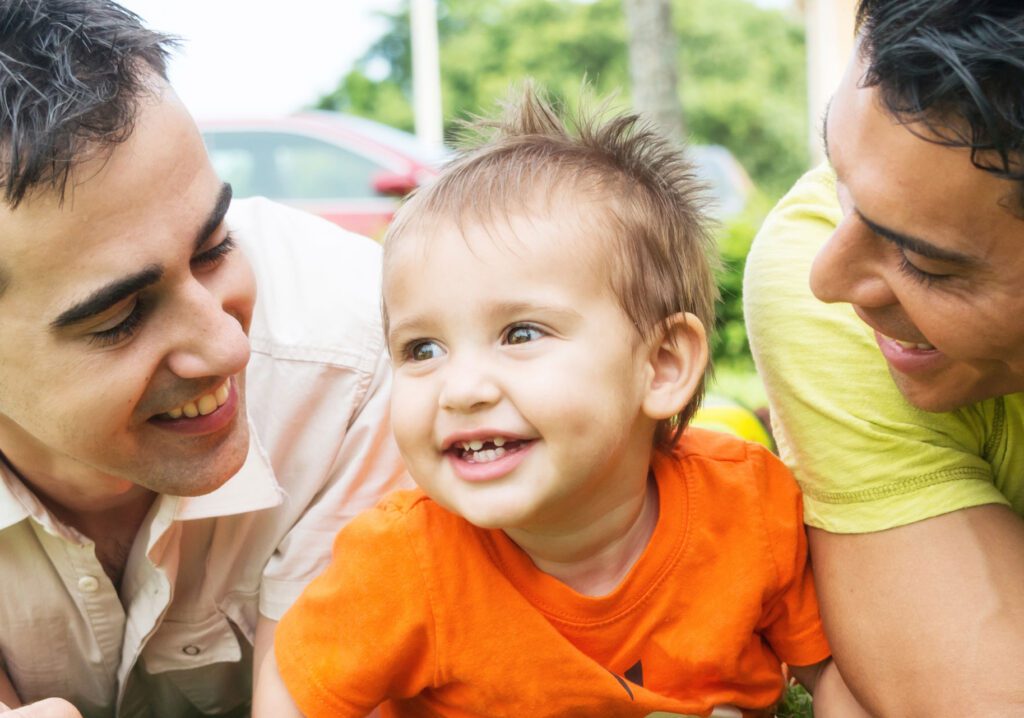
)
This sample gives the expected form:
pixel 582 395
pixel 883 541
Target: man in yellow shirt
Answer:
pixel 885 302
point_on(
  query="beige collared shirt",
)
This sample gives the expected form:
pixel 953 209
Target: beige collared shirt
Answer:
pixel 177 641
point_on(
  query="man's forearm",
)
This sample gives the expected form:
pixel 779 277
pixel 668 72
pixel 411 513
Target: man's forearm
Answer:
pixel 928 619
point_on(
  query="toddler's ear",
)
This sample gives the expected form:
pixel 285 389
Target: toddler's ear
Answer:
pixel 678 357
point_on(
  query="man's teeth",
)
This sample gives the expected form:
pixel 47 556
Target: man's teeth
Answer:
pixel 924 346
pixel 206 404
pixel 914 345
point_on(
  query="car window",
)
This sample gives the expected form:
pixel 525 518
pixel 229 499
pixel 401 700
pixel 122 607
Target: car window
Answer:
pixel 289 167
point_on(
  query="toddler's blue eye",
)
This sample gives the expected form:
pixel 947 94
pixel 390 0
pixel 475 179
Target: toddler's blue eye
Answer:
pixel 522 333
pixel 424 350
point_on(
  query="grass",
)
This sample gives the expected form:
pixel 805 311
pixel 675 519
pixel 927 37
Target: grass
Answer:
pixel 740 382
pixel 796 703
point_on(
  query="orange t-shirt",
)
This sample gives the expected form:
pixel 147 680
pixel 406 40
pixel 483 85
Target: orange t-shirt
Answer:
pixel 425 611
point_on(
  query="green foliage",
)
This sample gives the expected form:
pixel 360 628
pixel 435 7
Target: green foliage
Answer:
pixel 356 92
pixel 742 82
pixel 796 703
pixel 742 73
pixel 729 346
pixel 743 79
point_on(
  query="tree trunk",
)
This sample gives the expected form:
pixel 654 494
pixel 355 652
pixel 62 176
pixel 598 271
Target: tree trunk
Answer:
pixel 652 64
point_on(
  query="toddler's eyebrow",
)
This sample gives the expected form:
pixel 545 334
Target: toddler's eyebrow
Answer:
pixel 423 323
pixel 505 309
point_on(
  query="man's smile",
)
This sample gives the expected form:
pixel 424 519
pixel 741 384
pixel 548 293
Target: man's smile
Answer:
pixel 203 405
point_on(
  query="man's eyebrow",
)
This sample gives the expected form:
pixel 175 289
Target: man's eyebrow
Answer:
pixel 918 246
pixel 215 217
pixel 106 297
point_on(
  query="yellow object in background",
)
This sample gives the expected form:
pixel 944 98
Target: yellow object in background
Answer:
pixel 719 413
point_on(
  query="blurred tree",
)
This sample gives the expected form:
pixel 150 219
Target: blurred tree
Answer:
pixel 652 64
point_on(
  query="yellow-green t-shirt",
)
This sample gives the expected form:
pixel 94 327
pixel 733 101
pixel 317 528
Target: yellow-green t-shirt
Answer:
pixel 865 458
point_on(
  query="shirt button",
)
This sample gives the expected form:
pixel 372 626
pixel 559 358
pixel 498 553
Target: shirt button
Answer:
pixel 191 650
pixel 88 584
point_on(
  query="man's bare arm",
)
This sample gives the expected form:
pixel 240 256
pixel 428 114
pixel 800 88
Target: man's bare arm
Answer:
pixel 928 619
pixel 832 697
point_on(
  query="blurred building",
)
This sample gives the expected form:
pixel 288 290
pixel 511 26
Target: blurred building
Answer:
pixel 830 34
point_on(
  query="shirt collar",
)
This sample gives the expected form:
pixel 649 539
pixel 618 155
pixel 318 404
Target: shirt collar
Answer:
pixel 17 503
pixel 253 488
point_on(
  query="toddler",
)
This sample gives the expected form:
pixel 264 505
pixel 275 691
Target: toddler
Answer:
pixel 572 551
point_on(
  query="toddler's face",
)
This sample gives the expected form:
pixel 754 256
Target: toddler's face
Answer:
pixel 519 380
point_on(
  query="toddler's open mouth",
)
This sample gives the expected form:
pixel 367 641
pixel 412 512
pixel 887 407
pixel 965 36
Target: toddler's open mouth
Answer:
pixel 484 451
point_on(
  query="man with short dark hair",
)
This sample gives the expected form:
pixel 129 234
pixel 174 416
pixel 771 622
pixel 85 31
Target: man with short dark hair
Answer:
pixel 176 452
pixel 898 401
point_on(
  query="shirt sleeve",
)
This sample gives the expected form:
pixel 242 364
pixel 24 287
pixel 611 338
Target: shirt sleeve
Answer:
pixel 791 622
pixel 365 467
pixel 362 632
pixel 865 458
pixel 317 387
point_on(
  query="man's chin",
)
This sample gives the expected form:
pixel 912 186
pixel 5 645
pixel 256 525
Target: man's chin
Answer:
pixel 206 474
pixel 937 396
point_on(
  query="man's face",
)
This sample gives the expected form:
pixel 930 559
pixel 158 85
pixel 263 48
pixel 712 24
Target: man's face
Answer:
pixel 126 308
pixel 929 252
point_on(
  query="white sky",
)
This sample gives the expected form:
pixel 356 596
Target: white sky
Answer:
pixel 243 58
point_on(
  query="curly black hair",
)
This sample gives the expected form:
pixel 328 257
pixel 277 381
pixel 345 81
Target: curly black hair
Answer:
pixel 71 75
pixel 957 68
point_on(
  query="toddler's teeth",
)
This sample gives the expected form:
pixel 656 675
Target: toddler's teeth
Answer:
pixel 499 442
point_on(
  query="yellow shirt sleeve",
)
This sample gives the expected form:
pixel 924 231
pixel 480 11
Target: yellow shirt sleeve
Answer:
pixel 865 458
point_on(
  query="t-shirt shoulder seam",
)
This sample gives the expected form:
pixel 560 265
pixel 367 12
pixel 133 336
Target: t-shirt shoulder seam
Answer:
pixel 995 436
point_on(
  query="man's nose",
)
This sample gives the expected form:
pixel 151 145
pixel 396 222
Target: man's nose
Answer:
pixel 849 267
pixel 211 337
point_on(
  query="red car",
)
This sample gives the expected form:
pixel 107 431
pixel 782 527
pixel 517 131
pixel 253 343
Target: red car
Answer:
pixel 347 169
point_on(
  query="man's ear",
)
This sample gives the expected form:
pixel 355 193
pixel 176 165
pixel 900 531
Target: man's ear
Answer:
pixel 678 357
